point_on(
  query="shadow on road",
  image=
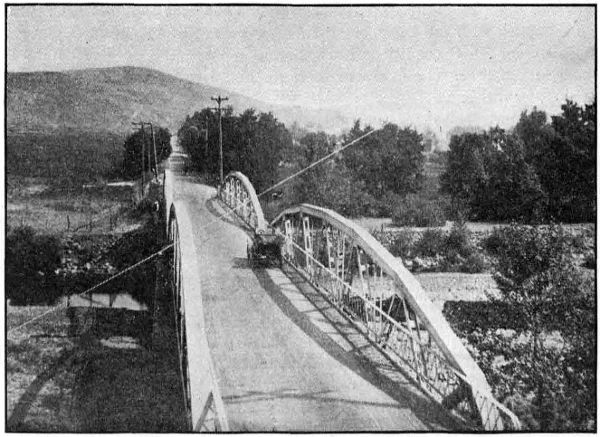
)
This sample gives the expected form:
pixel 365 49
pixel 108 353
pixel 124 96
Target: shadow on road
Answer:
pixel 401 390
pixel 226 214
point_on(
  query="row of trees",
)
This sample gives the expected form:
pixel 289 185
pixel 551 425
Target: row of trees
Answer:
pixel 536 171
pixel 253 143
pixel 141 141
pixel 363 178
pixel 358 181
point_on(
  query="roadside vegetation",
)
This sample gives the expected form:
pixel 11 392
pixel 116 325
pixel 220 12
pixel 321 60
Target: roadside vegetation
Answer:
pixel 65 158
pixel 536 342
pixel 141 141
pixel 67 230
pixel 538 172
pixel 535 338
pixel 82 369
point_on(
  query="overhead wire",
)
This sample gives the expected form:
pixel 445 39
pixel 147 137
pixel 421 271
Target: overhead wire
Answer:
pixel 287 179
pixel 91 289
pixel 228 212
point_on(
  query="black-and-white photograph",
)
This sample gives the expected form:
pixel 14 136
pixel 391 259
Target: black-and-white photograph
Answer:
pixel 302 218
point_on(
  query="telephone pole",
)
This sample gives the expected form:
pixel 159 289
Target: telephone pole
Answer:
pixel 154 146
pixel 149 158
pixel 141 125
pixel 220 99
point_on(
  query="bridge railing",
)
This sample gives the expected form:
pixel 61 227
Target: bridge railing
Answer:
pixel 238 193
pixel 384 299
pixel 201 393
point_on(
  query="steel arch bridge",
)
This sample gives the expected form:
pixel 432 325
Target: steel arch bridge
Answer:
pixel 357 275
pixel 201 394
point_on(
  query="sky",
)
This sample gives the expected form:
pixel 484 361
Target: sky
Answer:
pixel 425 66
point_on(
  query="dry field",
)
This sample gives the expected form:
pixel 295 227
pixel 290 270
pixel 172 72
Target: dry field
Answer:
pixel 56 211
pixel 98 377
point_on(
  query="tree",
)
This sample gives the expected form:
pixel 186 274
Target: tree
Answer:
pixel 430 141
pixel 252 143
pixel 571 177
pixel 136 142
pixel 310 148
pixel 271 137
pixel 31 261
pixel 563 154
pixel 546 291
pixel 468 172
pixel 513 185
pixel 390 160
pixel 489 175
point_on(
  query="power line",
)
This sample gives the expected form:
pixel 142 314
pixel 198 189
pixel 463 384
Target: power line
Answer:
pixel 89 290
pixel 314 164
pixel 287 179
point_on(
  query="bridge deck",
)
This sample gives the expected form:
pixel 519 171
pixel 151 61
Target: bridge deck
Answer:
pixel 285 359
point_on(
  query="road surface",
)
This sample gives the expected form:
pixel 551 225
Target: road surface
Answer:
pixel 285 360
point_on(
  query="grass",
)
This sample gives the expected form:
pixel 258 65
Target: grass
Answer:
pixel 97 375
pixel 56 210
pixel 102 376
pixel 66 158
pixel 38 383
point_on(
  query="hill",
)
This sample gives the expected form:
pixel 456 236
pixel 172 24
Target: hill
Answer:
pixel 109 99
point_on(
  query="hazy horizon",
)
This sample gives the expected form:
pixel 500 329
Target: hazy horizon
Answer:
pixel 438 67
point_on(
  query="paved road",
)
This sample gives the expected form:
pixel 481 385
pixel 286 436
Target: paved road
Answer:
pixel 285 360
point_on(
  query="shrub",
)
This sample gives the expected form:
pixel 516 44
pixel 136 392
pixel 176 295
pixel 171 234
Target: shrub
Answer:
pixel 458 240
pixel 494 241
pixel 31 261
pixel 590 261
pixel 413 210
pixel 431 243
pixel 536 273
pixel 402 244
pixel 475 263
pixel 387 203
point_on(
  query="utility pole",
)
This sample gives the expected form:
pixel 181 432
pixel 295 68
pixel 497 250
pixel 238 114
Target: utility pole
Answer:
pixel 220 99
pixel 154 145
pixel 205 138
pixel 141 125
pixel 149 157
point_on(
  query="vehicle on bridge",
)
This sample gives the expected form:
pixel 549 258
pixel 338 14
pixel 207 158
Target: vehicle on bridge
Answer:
pixel 265 247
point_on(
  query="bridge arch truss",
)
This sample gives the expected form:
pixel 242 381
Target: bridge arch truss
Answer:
pixel 238 193
pixel 360 277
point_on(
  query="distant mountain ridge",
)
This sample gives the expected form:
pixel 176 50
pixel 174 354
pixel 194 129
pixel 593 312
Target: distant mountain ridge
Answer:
pixel 109 99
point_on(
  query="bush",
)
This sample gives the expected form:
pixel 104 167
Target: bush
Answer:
pixel 431 243
pixel 475 263
pixel 494 242
pixel 413 210
pixel 401 245
pixel 31 261
pixel 387 204
pixel 590 261
pixel 458 240
pixel 536 273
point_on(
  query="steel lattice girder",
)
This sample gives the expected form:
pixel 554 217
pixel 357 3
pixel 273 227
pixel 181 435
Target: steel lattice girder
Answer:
pixel 295 222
